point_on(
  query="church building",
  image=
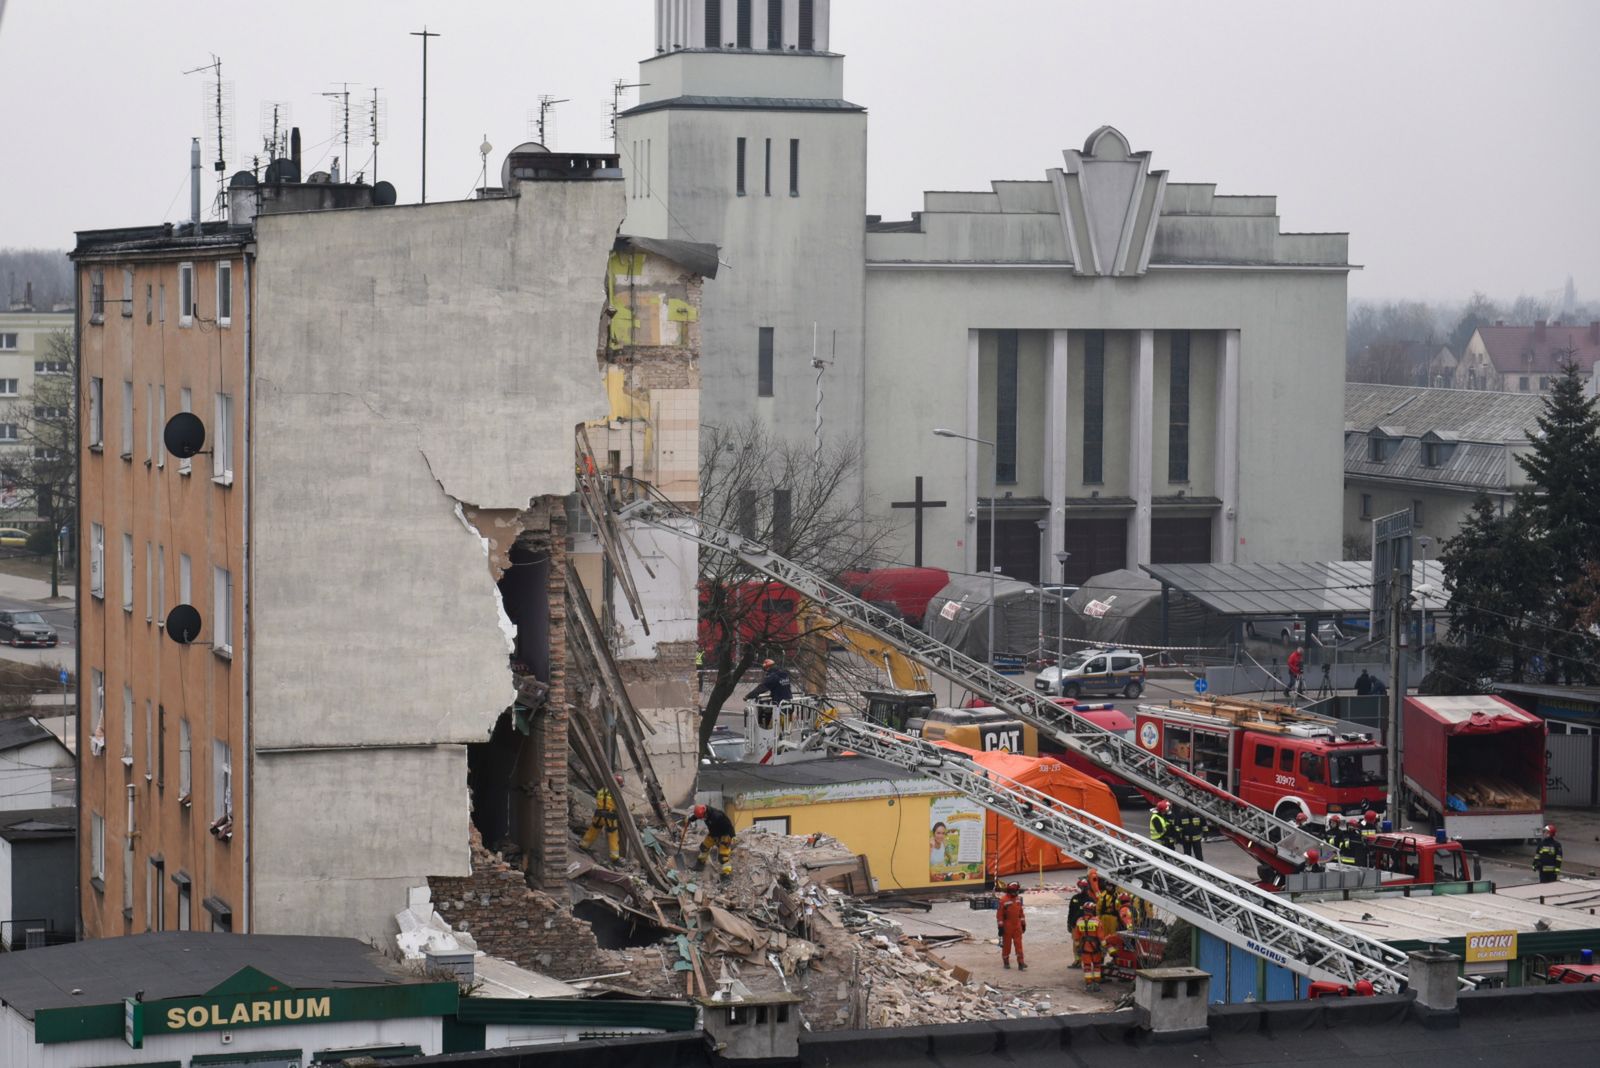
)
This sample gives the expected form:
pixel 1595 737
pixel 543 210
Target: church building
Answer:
pixel 1152 369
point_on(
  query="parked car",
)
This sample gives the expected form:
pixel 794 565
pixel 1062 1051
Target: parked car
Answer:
pixel 26 628
pixel 13 537
pixel 1106 672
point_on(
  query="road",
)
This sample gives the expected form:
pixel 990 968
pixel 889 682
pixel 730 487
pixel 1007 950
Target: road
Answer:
pixel 60 616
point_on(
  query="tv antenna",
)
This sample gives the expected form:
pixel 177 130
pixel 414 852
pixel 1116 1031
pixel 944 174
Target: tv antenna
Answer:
pixel 275 116
pixel 538 127
pixel 425 34
pixel 340 99
pixel 377 127
pixel 619 88
pixel 218 115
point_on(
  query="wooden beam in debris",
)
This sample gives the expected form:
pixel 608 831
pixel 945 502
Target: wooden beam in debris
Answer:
pixel 592 756
pixel 605 525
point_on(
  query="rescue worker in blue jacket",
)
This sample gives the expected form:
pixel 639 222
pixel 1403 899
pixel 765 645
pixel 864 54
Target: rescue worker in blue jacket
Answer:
pixel 1547 856
pixel 774 684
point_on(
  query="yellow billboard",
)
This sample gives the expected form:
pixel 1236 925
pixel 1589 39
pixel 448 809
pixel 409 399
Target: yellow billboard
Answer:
pixel 1484 947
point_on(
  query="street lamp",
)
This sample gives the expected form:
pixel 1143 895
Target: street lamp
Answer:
pixel 994 491
pixel 1061 612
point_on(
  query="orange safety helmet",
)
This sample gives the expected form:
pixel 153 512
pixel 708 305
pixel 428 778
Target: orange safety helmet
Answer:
pixel 1163 806
pixel 1313 856
pixel 699 812
pixel 1334 819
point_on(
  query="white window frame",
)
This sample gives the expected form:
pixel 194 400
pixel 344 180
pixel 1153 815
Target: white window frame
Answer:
pixel 186 404
pixel 149 741
pixel 186 294
pixel 127 725
pixel 8 387
pixel 127 419
pixel 149 421
pixel 97 699
pixel 97 560
pixel 97 848
pixel 8 341
pixel 127 573
pixel 222 611
pixel 161 421
pixel 161 585
pixel 97 295
pixel 149 581
pixel 224 293
pixel 222 441
pixel 185 578
pixel 221 781
pixel 127 292
pixel 97 414
pixel 9 433
pixel 185 760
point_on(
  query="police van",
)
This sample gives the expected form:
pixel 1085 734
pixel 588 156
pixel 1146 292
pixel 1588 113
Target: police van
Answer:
pixel 1095 672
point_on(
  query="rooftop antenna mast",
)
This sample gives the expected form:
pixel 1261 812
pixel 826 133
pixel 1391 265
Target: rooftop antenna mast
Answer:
pixel 218 114
pixel 341 119
pixel 425 34
pixel 377 127
pixel 275 128
pixel 547 104
pixel 618 89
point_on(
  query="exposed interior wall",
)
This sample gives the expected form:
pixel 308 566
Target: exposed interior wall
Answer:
pixel 412 363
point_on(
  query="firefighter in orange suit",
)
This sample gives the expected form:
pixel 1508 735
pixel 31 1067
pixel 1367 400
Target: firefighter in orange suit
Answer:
pixel 1090 948
pixel 1011 921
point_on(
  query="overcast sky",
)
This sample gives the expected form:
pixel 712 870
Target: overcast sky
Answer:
pixel 1454 140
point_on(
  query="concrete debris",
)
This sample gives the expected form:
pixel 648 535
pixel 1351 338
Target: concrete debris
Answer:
pixel 424 931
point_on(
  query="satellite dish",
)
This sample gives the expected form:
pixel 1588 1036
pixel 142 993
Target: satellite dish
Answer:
pixel 283 170
pixel 320 178
pixel 184 435
pixel 505 167
pixel 242 180
pixel 183 624
pixel 383 194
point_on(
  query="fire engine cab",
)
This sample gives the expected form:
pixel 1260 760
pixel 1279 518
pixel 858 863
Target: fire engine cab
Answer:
pixel 1276 757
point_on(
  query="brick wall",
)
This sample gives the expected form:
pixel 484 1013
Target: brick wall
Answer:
pixel 545 529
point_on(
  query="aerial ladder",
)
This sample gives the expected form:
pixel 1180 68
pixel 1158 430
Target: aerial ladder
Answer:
pixel 1265 924
pixel 1279 845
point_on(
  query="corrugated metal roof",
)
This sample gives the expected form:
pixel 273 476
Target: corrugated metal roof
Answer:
pixel 1473 465
pixel 1337 587
pixel 1416 918
pixel 1475 414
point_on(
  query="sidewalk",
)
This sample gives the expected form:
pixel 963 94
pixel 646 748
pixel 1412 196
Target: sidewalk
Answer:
pixel 31 589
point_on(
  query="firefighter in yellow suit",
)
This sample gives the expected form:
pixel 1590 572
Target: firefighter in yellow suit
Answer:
pixel 605 819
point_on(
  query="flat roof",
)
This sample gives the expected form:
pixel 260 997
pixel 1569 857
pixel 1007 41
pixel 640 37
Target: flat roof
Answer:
pixel 1325 588
pixel 739 778
pixel 179 964
pixel 1566 893
pixel 23 730
pixel 1398 918
pixel 32 824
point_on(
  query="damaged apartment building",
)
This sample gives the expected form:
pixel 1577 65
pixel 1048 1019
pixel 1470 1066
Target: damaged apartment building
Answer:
pixel 328 468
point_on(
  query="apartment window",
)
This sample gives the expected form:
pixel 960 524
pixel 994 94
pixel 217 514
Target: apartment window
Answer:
pixel 1178 410
pixel 221 782
pixel 161 302
pixel 1005 408
pixel 794 166
pixel 185 403
pixel 184 901
pixel 1094 405
pixel 97 700
pixel 8 342
pixel 1366 506
pixel 222 610
pixel 808 37
pixel 97 850
pixel 742 31
pixel 127 725
pixel 97 560
pixel 8 387
pixel 1380 448
pixel 1544 384
pixel 50 367
pixel 185 294
pixel 224 293
pixel 185 761
pixel 767 179
pixel 149 742
pixel 775 25
pixel 222 447
pixel 42 411
pixel 764 362
pixel 8 432
pixel 713 25
pixel 149 421
pixel 155 896
pixel 127 292
pixel 1522 384
pixel 1416 512
pixel 149 303
pixel 127 572
pixel 738 166
pixel 97 296
pixel 161 584
pixel 127 420
pixel 185 578
pixel 161 747
pixel 96 412
pixel 161 421
pixel 149 581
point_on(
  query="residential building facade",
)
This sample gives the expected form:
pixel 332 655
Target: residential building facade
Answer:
pixel 26 357
pixel 1145 360
pixel 1527 359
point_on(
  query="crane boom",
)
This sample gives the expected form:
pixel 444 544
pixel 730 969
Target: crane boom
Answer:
pixel 1270 840
pixel 1264 924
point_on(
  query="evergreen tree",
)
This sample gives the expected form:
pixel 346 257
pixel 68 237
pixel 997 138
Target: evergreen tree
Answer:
pixel 1497 574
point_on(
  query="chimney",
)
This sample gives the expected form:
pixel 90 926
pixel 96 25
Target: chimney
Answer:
pixel 194 183
pixel 1538 330
pixel 27 296
pixel 1171 1003
pixel 294 148
pixel 1499 322
pixel 1432 975
pixel 333 175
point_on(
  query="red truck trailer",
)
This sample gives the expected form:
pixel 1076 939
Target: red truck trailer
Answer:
pixel 1475 766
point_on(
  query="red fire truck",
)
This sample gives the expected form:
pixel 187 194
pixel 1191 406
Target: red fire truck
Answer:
pixel 1276 757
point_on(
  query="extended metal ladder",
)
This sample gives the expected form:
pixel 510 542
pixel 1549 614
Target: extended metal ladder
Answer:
pixel 1262 923
pixel 1270 840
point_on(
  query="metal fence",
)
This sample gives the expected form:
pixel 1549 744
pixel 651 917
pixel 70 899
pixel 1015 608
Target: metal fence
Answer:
pixel 1572 770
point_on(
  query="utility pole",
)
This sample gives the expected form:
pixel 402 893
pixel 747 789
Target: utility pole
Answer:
pixel 1391 741
pixel 424 34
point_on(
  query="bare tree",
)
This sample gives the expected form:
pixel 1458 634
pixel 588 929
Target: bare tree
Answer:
pixel 804 507
pixel 42 468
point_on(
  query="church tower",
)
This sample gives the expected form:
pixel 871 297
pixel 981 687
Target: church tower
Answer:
pixel 743 139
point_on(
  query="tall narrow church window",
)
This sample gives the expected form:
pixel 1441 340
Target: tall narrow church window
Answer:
pixel 738 167
pixel 794 166
pixel 1094 404
pixel 743 39
pixel 764 363
pixel 1005 408
pixel 1178 410
pixel 808 38
pixel 775 24
pixel 767 179
pixel 713 23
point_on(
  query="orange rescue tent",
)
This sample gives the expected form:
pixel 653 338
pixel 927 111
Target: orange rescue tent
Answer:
pixel 1009 850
